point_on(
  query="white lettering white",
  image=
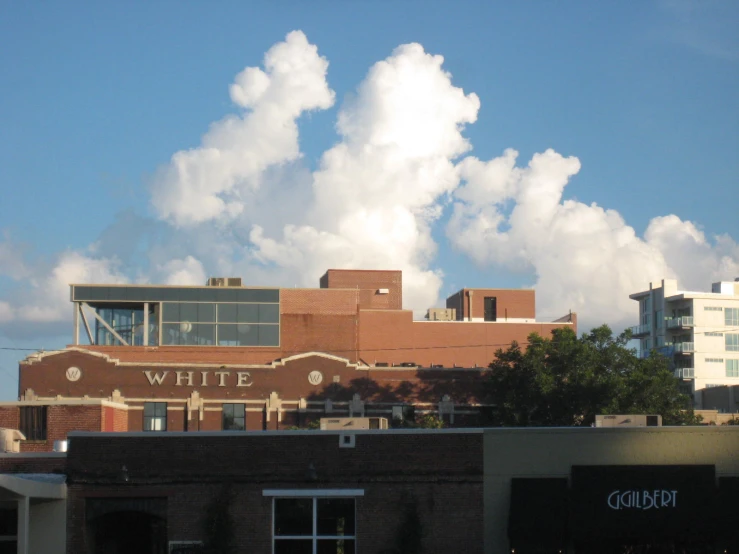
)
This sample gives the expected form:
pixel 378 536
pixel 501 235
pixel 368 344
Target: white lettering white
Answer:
pixel 189 378
pixel 157 378
pixel 203 378
pixel 221 378
pixel 244 379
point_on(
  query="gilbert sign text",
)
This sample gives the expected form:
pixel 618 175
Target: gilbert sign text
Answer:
pixel 642 499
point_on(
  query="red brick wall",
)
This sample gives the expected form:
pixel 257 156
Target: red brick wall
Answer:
pixel 63 419
pixel 511 303
pixel 120 420
pixel 440 473
pixel 16 463
pixel 9 417
pixel 370 281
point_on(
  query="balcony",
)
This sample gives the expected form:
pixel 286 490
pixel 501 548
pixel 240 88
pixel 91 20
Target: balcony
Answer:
pixel 683 322
pixel 684 347
pixel 685 373
pixel 640 330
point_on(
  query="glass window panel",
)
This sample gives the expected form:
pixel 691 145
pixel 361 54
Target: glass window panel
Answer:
pixel 732 342
pixel 207 294
pixel 97 293
pixel 228 313
pixel 248 313
pixel 335 516
pixel 228 295
pixel 269 335
pixel 234 418
pixel 206 313
pixel 188 312
pixel 170 311
pixel 269 313
pixel 248 334
pixel 188 295
pixel 228 410
pixel 293 516
pixel 239 410
pixel 731 316
pixel 167 294
pixel 300 546
pixel 81 293
pixel 228 335
pixel 259 295
pixel 170 333
pixel 335 546
pixel 202 334
pixel 732 368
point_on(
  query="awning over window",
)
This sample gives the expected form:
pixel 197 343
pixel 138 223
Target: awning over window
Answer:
pixel 538 514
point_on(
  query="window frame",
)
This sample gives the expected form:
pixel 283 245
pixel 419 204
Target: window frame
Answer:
pixel 732 368
pixel 154 417
pixel 731 316
pixel 232 405
pixel 34 427
pixel 731 342
pixel 314 495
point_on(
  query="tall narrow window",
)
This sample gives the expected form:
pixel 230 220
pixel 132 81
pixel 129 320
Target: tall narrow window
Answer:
pixel 33 423
pixel 732 342
pixel 314 525
pixel 491 308
pixel 234 417
pixel 155 416
pixel 732 368
pixel 731 316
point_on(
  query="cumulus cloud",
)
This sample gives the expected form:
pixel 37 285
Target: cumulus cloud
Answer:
pixel 379 189
pixel 188 271
pixel 585 258
pixel 243 203
pixel 216 179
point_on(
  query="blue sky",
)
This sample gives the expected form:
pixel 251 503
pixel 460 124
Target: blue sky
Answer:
pixel 97 98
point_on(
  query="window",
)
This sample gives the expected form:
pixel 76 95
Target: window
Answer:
pixel 732 368
pixel 714 360
pixel 491 308
pixel 731 316
pixel 732 342
pixel 33 423
pixel 646 319
pixel 234 417
pixel 314 525
pixel 155 416
pixel 659 319
pixel 714 334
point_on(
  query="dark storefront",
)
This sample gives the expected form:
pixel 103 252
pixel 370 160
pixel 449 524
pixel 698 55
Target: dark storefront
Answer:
pixel 626 510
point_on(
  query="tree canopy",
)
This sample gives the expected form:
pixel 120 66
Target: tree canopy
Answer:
pixel 565 380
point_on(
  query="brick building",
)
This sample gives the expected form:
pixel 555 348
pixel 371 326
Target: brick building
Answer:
pixel 226 356
pixel 522 490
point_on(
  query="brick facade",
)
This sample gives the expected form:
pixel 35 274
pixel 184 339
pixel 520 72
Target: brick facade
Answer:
pixel 440 474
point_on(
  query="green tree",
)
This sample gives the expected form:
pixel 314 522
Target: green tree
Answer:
pixel 566 380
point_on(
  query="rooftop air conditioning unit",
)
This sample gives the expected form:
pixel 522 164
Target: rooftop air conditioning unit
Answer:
pixel 352 423
pixel 10 440
pixel 216 282
pixel 628 421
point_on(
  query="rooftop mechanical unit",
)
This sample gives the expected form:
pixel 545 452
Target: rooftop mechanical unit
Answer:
pixel 352 423
pixel 628 421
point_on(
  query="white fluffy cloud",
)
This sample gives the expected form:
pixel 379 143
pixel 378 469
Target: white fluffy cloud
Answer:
pixel 584 257
pixel 216 179
pixel 378 191
pixel 241 203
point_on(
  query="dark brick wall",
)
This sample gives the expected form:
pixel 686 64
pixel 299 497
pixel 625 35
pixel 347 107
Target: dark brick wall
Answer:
pixel 16 463
pixel 440 473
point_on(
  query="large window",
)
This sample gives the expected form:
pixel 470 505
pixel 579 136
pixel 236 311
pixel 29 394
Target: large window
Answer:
pixel 155 416
pixel 33 423
pixel 224 324
pixel 732 342
pixel 491 308
pixel 731 316
pixel 314 525
pixel 234 417
pixel 732 368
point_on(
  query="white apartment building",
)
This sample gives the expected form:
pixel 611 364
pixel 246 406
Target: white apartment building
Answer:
pixel 698 331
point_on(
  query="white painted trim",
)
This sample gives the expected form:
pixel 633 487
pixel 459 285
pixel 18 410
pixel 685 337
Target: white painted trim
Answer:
pixel 33 489
pixel 308 493
pixel 41 401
